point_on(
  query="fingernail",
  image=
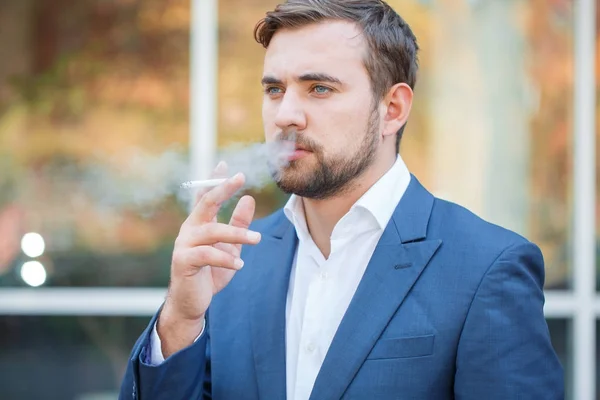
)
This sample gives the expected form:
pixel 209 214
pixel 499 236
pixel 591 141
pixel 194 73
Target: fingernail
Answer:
pixel 253 236
pixel 239 263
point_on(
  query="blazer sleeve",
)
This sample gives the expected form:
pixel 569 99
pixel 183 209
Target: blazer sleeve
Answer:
pixel 504 351
pixel 183 375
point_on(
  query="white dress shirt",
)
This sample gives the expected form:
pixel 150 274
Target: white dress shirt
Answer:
pixel 320 289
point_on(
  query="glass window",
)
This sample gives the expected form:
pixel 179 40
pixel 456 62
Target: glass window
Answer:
pixel 491 123
pixel 597 359
pixel 240 91
pixel 74 358
pixel 597 143
pixel 93 140
pixel 561 336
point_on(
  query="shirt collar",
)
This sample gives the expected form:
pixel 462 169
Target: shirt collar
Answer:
pixel 294 211
pixel 382 198
pixel 379 201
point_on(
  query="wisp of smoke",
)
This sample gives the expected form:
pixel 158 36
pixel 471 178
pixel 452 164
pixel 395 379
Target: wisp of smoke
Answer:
pixel 145 180
pixel 260 162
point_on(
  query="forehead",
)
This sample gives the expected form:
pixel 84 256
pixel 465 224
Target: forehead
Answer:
pixel 329 46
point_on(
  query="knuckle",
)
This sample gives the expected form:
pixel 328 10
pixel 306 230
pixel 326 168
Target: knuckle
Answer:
pixel 186 235
pixel 187 229
pixel 241 234
pixel 238 220
pixel 206 233
pixel 178 258
pixel 202 253
pixel 209 202
pixel 209 230
pixel 233 235
pixel 200 194
pixel 184 227
pixel 223 259
pixel 228 260
pixel 177 244
pixel 182 238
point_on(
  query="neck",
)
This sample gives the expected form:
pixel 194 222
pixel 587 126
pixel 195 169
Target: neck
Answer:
pixel 323 215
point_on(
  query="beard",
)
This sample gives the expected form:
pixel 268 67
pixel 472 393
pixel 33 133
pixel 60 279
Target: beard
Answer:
pixel 331 176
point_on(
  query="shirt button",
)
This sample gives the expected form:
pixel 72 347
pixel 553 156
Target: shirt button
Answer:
pixel 310 347
pixel 323 275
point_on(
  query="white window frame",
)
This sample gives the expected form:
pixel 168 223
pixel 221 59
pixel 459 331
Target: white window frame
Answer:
pixel 203 134
pixel 581 306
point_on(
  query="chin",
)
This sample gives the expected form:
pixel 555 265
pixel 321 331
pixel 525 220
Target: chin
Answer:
pixel 298 169
pixel 292 178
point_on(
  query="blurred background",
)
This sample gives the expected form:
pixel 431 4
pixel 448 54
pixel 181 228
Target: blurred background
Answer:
pixel 106 105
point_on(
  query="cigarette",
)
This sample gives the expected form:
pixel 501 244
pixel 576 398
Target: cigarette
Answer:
pixel 202 184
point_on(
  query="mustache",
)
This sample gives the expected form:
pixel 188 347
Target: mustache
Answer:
pixel 300 140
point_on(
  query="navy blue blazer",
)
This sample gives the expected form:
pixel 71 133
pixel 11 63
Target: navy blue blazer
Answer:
pixel 450 307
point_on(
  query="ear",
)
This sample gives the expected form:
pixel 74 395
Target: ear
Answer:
pixel 397 103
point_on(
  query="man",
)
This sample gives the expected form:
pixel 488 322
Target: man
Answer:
pixel 365 286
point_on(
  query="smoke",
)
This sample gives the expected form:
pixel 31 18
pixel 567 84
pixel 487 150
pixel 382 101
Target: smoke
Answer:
pixel 259 162
pixel 136 179
pixel 141 180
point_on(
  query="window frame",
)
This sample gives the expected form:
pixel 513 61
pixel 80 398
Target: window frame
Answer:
pixel 581 305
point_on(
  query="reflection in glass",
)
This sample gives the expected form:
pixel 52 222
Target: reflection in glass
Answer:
pixel 33 273
pixel 93 140
pixel 33 244
pixel 67 358
pixel 491 124
pixel 597 143
pixel 561 336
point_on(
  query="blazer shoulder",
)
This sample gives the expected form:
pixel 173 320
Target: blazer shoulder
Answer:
pixel 451 221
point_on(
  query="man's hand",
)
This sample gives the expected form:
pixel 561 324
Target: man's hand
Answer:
pixel 205 259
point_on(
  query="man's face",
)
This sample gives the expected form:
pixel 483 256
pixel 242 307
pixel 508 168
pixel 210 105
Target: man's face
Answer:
pixel 318 92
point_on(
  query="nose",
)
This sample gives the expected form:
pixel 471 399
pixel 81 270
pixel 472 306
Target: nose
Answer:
pixel 290 113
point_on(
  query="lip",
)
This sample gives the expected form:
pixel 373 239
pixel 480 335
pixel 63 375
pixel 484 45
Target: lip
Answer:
pixel 298 154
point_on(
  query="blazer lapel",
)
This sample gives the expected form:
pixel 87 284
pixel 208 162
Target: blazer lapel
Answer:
pixel 399 259
pixel 272 263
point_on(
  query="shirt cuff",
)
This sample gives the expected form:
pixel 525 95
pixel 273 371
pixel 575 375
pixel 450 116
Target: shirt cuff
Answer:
pixel 156 355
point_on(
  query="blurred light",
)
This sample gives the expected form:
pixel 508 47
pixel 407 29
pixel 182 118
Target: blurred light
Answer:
pixel 33 244
pixel 33 273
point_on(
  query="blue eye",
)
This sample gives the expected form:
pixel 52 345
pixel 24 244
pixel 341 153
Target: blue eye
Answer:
pixel 273 90
pixel 319 89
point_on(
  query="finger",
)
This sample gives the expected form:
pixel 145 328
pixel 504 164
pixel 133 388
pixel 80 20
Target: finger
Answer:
pixel 220 171
pixel 209 234
pixel 208 206
pixel 202 256
pixel 242 215
pixel 228 248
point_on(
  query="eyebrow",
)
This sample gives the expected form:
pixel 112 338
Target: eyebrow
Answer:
pixel 309 77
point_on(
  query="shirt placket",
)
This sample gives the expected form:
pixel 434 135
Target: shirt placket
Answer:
pixel 311 350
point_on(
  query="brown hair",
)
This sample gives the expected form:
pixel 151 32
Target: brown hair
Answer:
pixel 392 47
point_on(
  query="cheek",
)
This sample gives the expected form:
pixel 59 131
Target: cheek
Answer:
pixel 268 117
pixel 341 133
pixel 348 113
pixel 266 112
